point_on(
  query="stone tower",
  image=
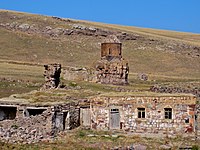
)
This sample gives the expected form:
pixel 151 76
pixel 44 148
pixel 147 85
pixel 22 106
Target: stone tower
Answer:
pixel 112 68
pixel 52 76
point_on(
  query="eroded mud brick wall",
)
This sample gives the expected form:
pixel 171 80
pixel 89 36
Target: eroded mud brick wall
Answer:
pixel 163 114
pixel 52 75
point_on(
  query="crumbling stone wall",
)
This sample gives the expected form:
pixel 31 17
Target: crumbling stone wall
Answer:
pixel 52 76
pixel 65 117
pixel 79 74
pixel 193 88
pixel 154 121
pixel 112 72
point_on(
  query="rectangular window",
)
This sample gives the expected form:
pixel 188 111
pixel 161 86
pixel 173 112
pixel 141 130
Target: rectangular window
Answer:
pixel 141 112
pixel 168 113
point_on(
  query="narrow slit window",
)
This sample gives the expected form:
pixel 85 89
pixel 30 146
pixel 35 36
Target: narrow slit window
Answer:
pixel 141 112
pixel 168 113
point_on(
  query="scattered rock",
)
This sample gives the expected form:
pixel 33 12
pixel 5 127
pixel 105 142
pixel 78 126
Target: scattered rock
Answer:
pixel 165 147
pixel 143 76
pixel 24 27
pixel 192 88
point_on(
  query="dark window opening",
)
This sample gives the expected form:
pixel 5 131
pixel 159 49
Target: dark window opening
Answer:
pixel 187 120
pixel 141 112
pixel 168 113
pixel 7 112
pixel 109 51
pixel 120 53
pixel 33 111
pixel 114 110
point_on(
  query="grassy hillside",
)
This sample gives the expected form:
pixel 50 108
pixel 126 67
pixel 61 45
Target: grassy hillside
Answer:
pixel 28 41
pixel 146 54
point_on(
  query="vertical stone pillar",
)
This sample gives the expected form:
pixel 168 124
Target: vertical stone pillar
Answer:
pixel 197 121
pixel 52 75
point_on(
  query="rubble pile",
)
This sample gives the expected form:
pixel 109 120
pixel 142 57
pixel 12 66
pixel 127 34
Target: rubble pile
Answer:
pixel 76 29
pixel 27 129
pixel 52 76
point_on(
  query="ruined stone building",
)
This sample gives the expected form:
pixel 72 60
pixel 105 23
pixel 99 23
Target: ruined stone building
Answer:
pixel 112 68
pixel 139 112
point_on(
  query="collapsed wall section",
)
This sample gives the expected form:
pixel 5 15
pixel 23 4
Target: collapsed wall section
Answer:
pixel 30 124
pixel 25 126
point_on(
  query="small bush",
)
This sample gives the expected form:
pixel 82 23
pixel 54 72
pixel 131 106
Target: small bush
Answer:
pixel 195 147
pixel 73 84
pixel 14 126
pixel 81 133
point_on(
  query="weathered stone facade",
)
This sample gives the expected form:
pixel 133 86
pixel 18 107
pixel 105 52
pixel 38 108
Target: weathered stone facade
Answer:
pixel 52 76
pixel 166 114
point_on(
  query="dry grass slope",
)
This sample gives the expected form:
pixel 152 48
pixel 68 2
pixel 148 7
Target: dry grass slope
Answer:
pixel 81 50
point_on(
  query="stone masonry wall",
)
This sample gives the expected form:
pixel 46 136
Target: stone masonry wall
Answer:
pixel 154 121
pixel 112 72
pixel 79 74
pixel 52 76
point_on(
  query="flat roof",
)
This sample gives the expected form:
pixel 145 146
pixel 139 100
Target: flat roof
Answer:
pixel 145 94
